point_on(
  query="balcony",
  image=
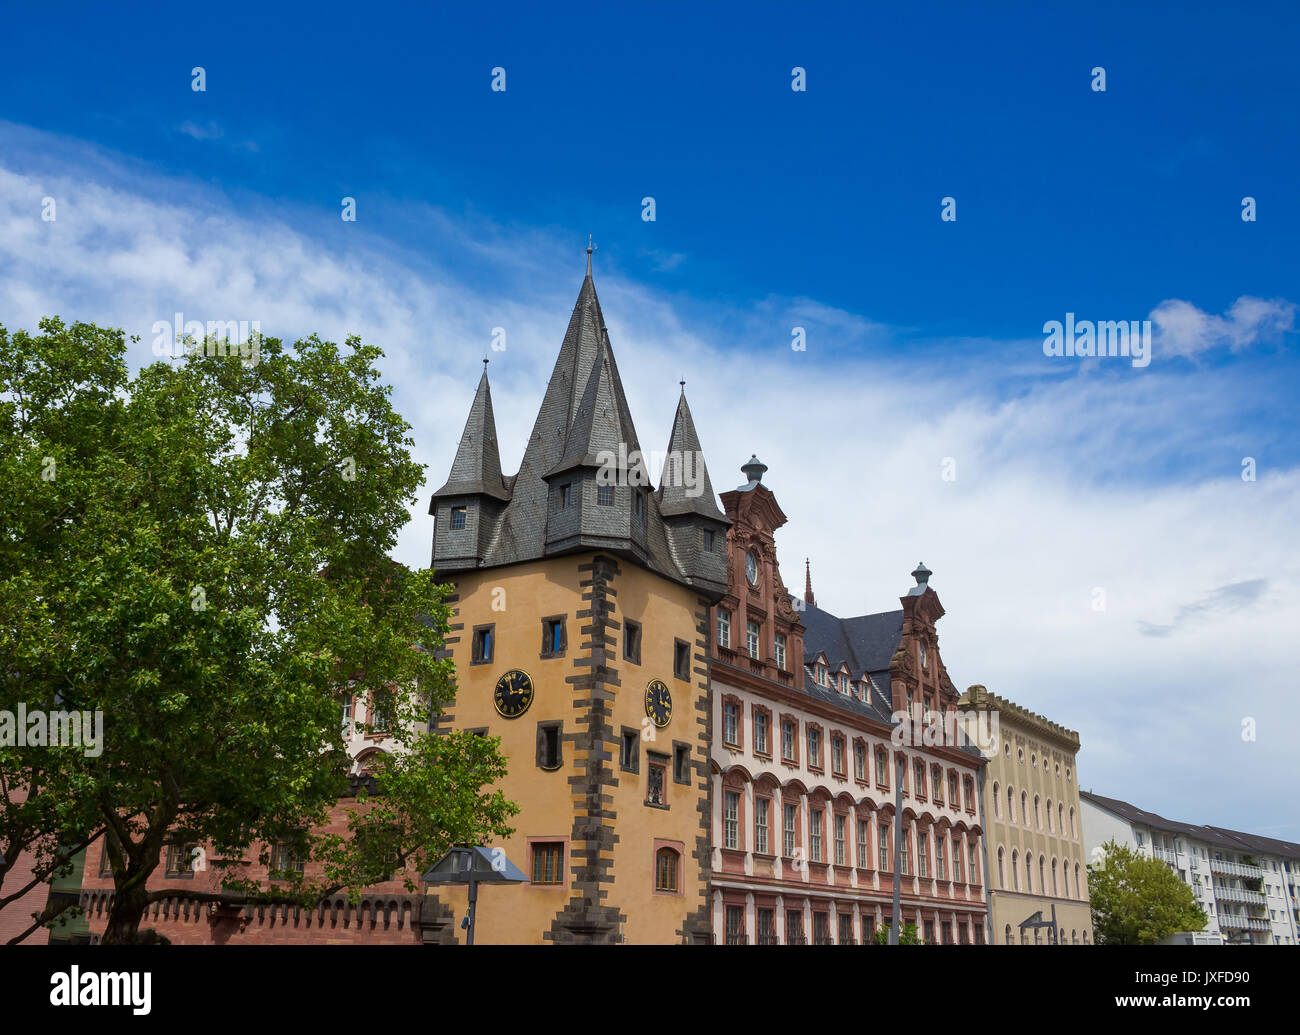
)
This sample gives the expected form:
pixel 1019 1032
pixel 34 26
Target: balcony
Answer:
pixel 737 938
pixel 1234 869
pixel 767 938
pixel 1253 898
pixel 1165 855
pixel 1250 923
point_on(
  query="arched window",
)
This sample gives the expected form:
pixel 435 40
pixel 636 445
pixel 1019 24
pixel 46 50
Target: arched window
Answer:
pixel 1029 872
pixel 1015 867
pixel 1011 804
pixel 667 862
pixel 997 801
pixel 1002 870
pixel 1085 937
pixel 1078 888
pixel 1074 832
pixel 1038 813
pixel 1060 818
pixel 1074 936
pixel 1024 808
pixel 1049 815
pixel 1009 942
pixel 1055 889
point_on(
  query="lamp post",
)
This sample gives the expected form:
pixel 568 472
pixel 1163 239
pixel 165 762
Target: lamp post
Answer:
pixel 473 865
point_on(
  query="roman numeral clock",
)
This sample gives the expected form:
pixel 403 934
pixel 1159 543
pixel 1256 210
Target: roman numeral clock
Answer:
pixel 513 694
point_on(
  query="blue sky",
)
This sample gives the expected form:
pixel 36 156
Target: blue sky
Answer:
pixel 775 209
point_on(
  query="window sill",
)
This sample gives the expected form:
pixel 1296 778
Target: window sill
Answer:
pixel 656 805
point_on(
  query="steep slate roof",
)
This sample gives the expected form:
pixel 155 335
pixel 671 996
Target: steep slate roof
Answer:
pixel 477 467
pixel 584 411
pixel 865 643
pixel 685 442
pixel 1232 839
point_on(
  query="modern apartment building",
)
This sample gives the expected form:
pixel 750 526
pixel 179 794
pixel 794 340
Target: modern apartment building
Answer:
pixel 1245 884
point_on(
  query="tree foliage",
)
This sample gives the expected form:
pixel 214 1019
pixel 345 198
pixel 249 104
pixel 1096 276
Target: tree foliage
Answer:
pixel 200 553
pixel 1138 900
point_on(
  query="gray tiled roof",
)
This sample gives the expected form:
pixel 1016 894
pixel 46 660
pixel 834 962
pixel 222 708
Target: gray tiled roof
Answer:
pixel 1232 839
pixel 865 643
pixel 584 412
pixel 477 467
pixel 673 494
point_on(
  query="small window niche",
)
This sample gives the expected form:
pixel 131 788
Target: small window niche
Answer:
pixel 550 750
pixel 682 659
pixel 484 644
pixel 631 641
pixel 555 636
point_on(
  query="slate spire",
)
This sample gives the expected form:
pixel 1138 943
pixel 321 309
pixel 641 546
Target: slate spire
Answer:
pixel 684 486
pixel 477 467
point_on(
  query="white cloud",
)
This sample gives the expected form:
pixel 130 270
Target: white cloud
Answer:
pixel 1184 330
pixel 211 131
pixel 1035 521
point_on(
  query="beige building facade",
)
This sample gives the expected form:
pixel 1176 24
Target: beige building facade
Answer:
pixel 1032 817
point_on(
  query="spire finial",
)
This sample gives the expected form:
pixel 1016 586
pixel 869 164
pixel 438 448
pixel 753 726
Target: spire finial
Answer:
pixel 922 574
pixel 485 363
pixel 682 382
pixel 590 248
pixel 807 582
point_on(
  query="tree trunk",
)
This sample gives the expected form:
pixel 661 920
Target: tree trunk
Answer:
pixel 126 912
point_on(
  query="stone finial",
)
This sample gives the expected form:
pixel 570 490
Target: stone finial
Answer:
pixel 753 469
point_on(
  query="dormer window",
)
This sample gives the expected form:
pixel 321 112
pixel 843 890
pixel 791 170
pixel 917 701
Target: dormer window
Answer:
pixel 638 503
pixel 566 496
pixel 708 540
pixel 821 675
pixel 780 651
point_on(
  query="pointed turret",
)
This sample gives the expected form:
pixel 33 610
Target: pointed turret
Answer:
pixel 465 510
pixel 477 467
pixel 684 487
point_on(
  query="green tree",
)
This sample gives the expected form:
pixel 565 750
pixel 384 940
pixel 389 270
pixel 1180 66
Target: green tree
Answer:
pixel 199 552
pixel 1137 900
pixel 908 936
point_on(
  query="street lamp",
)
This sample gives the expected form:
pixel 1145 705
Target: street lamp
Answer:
pixel 473 865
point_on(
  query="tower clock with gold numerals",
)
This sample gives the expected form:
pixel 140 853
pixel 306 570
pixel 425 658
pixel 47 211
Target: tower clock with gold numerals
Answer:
pixel 658 703
pixel 513 694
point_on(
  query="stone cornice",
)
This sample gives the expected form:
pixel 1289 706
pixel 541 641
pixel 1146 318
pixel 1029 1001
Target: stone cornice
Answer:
pixel 978 696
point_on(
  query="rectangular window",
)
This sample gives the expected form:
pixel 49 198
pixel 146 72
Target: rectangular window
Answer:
pixel 347 712
pixel 974 870
pixel 730 723
pixel 548 862
pixel 846 928
pixel 708 540
pixel 864 848
pixel 681 763
pixel 631 641
pixel 630 757
pixel 548 745
pixel 787 741
pixel 761 806
pixel 655 788
pixel 457 517
pixel 760 732
pixel 382 706
pixel 780 651
pixel 837 754
pixel 791 818
pixel 936 781
pixel 794 928
pixel 566 496
pixel 731 819
pixel 860 761
pixel 954 799
pixel 956 863
pixel 918 771
pixel 766 927
pixel 751 639
pixel 821 929
pixel 285 857
pixel 179 855
pixel 483 644
pixel 868 930
pixel 904 858
pixel 814 748
pixel 735 925
pixel 724 628
pixel 815 829
pixel 604 495
pixel 681 659
pixel 666 870
pixel 940 868
pixel 105 859
pixel 840 823
pixel 923 854
pixel 929 932
pixel 554 637
pixel 638 503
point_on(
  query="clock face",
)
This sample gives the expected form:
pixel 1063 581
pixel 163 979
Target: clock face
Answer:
pixel 658 703
pixel 513 694
pixel 751 567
